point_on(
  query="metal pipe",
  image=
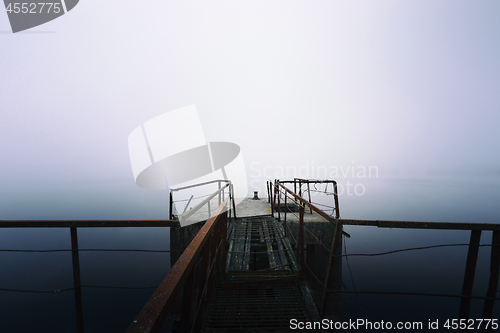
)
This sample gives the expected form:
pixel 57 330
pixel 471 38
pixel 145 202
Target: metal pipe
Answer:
pixel 404 293
pixel 423 225
pixel 336 199
pixel 154 313
pixel 494 274
pixel 470 270
pixel 199 184
pixel 234 205
pixel 183 217
pixel 171 206
pixel 76 280
pixel 187 205
pixel 309 193
pixel 273 206
pixel 286 207
pixel 219 193
pixel 84 223
pixel 279 205
pixel 301 242
pixel 335 240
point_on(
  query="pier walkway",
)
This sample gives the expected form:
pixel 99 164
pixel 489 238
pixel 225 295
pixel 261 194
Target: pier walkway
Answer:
pixel 261 291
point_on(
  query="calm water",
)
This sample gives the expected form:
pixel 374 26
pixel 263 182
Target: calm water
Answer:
pixel 437 270
pixel 111 310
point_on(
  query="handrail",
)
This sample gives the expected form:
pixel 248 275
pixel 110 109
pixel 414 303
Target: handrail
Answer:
pixel 335 237
pixel 154 313
pixel 200 184
pixel 423 225
pixel 474 228
pixel 184 216
pixel 312 206
pixel 84 223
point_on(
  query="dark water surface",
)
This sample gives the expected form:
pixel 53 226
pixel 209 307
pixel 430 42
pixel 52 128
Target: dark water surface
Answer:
pixel 437 270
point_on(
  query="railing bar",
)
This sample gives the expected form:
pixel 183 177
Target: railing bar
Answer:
pixel 200 184
pixel 151 317
pixel 403 293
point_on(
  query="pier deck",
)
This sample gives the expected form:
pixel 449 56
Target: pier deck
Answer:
pixel 261 291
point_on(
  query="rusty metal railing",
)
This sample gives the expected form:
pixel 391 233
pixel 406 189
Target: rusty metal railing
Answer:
pixel 208 250
pixel 220 193
pixel 277 190
pixel 73 225
pixel 281 190
pixel 297 184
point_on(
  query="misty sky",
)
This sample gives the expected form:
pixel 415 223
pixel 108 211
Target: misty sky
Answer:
pixel 412 87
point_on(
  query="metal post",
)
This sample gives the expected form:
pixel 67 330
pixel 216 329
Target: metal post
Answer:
pixel 336 237
pixel 279 204
pixel 301 242
pixel 309 192
pixel 336 198
pixel 219 193
pixel 273 206
pixel 76 280
pixel 286 207
pixel 494 271
pixel 470 270
pixel 171 206
pixel 234 206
